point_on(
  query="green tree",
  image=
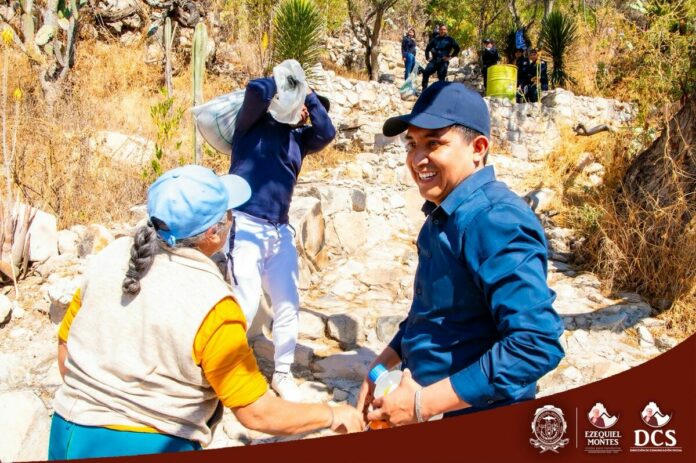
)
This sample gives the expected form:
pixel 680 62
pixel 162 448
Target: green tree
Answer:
pixel 297 31
pixel 334 13
pixel 558 34
pixel 366 21
pixel 468 22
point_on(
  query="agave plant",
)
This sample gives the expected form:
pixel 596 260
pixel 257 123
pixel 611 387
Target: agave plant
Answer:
pixel 297 32
pixel 558 34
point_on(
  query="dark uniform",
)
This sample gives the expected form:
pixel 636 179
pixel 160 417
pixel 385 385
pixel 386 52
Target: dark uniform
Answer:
pixel 489 57
pixel 439 47
pixel 537 76
pixel 522 64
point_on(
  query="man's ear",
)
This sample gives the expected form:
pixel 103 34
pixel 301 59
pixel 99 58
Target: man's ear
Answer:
pixel 480 145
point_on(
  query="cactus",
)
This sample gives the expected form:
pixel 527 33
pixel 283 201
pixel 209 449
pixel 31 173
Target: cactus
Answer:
pixel 27 25
pixel 168 55
pixel 198 52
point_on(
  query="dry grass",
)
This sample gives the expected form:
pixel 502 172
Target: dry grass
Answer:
pixel 357 74
pixel 561 171
pixel 631 246
pixel 327 158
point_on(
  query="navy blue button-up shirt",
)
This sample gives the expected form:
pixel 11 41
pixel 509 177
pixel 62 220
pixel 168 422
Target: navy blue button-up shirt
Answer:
pixel 482 312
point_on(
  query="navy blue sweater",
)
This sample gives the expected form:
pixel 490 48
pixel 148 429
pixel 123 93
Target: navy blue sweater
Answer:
pixel 408 45
pixel 268 154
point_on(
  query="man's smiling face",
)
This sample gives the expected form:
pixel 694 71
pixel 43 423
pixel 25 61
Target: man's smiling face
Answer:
pixel 441 159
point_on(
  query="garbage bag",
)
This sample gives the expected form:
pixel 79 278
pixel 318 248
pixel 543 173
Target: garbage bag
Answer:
pixel 410 86
pixel 216 119
pixel 286 106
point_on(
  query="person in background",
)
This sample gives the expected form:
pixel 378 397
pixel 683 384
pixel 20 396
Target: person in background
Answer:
pixel 489 57
pixel 537 77
pixel 269 154
pixel 481 329
pixel 434 33
pixel 522 63
pixel 153 344
pixel 439 51
pixel 408 52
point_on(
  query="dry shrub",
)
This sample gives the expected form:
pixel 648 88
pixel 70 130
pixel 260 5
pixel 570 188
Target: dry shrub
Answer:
pixel 638 242
pixel 562 170
pixel 357 74
pixel 647 63
pixel 648 251
pixel 54 169
pixel 327 158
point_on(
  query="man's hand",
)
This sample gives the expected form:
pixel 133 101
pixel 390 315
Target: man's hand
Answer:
pixel 446 58
pixel 397 407
pixel 365 397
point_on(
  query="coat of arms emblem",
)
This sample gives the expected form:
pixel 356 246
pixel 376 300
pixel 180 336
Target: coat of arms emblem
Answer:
pixel 548 427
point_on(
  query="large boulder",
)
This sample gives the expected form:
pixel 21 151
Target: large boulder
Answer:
pixel 5 308
pixel 128 149
pixel 24 427
pixel 308 221
pixel 42 234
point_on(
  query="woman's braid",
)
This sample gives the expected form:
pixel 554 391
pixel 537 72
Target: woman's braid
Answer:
pixel 142 256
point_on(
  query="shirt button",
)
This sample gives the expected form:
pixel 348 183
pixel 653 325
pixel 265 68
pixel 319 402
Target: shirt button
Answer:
pixel 436 222
pixel 419 291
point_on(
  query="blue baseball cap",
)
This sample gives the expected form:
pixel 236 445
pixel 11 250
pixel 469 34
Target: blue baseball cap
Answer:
pixel 188 200
pixel 441 105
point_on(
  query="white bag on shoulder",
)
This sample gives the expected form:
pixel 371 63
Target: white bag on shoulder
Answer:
pixel 216 119
pixel 286 106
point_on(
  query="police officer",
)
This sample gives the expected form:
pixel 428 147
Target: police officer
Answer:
pixel 442 48
pixel 489 57
pixel 537 76
pixel 522 63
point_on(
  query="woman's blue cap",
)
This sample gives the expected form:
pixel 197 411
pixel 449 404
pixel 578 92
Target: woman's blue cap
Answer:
pixel 188 200
pixel 441 105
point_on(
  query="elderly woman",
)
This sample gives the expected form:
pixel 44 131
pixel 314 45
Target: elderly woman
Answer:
pixel 154 344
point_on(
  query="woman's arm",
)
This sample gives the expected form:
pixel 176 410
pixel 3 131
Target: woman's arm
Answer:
pixel 273 415
pixel 62 356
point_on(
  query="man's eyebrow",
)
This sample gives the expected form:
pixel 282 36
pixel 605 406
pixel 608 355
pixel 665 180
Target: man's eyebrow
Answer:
pixel 435 133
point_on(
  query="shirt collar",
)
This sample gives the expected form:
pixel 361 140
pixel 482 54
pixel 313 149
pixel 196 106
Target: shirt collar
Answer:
pixel 462 191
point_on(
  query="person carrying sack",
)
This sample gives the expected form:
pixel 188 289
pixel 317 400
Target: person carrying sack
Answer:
pixel 153 344
pixel 268 153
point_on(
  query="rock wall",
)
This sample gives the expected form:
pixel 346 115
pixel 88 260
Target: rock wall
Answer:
pixel 530 131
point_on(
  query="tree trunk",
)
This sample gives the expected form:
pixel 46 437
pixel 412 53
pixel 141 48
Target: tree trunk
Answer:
pixel 368 60
pixel 515 15
pixel 548 7
pixel 666 172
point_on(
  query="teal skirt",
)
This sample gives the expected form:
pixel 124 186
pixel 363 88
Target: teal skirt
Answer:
pixel 69 441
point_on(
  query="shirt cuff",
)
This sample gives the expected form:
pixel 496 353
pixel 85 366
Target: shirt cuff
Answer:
pixel 472 386
pixel 312 99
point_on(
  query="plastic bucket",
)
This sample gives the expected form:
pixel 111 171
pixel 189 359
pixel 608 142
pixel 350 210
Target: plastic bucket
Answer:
pixel 502 81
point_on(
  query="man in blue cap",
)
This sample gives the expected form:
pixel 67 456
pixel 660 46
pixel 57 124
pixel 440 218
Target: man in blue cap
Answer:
pixel 481 329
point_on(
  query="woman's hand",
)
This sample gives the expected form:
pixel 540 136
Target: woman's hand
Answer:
pixel 365 397
pixel 346 419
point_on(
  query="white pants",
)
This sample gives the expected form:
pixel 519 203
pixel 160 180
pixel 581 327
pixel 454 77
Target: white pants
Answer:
pixel 264 256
